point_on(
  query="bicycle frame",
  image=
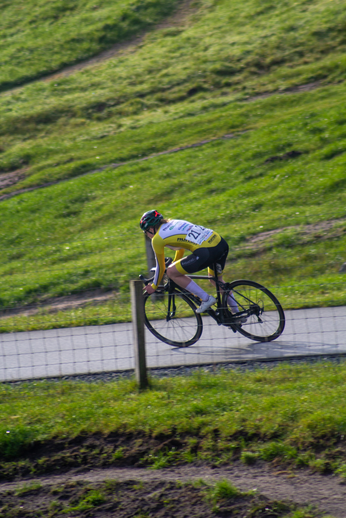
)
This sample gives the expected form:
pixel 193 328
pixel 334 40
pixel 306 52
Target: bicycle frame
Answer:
pixel 221 315
pixel 250 300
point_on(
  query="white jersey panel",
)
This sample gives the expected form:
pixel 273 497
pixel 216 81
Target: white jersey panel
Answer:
pixel 195 234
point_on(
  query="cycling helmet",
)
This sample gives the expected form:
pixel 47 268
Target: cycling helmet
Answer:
pixel 150 219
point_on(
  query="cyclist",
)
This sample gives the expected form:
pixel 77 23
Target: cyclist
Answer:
pixel 207 248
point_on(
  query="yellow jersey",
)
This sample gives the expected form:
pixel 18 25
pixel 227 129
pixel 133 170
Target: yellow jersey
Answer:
pixel 180 235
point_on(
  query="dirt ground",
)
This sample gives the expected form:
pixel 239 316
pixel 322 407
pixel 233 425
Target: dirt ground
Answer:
pixel 176 493
pixel 134 498
pixel 85 477
pixel 52 305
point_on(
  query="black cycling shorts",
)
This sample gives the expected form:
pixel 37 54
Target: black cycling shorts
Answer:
pixel 206 257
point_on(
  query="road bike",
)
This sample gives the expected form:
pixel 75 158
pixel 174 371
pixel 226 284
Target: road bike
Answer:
pixel 243 306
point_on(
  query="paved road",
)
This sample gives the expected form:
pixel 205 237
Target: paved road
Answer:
pixel 91 349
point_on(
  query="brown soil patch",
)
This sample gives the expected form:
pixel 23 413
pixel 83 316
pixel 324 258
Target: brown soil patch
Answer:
pixel 285 156
pixel 8 179
pixel 135 499
pixel 292 90
pixel 320 231
pixel 27 189
pixel 52 305
pixel 66 472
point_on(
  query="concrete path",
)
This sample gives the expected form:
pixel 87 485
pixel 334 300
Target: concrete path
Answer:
pixel 92 349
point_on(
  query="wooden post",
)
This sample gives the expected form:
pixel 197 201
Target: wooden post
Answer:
pixel 139 333
pixel 151 262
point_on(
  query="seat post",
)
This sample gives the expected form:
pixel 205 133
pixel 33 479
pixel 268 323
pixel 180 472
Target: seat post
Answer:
pixel 215 272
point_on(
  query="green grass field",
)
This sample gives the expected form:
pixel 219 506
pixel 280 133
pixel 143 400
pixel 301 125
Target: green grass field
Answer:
pixel 283 170
pixel 294 415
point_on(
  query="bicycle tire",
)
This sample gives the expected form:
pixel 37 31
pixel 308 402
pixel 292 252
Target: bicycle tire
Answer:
pixel 181 330
pixel 269 323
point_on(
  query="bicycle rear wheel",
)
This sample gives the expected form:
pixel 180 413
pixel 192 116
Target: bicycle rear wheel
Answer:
pixel 265 318
pixel 172 319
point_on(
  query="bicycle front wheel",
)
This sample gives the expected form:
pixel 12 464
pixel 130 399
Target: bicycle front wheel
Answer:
pixel 172 319
pixel 264 318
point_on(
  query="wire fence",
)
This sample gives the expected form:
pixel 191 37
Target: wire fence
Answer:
pixel 109 348
pixel 71 314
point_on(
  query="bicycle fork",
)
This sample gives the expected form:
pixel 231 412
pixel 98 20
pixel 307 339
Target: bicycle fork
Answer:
pixel 172 308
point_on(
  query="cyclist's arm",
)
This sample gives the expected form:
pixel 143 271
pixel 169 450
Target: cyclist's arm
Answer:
pixel 159 251
pixel 161 265
pixel 160 269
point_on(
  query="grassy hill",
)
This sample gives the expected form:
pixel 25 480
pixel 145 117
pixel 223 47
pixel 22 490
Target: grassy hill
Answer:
pixel 39 37
pixel 269 75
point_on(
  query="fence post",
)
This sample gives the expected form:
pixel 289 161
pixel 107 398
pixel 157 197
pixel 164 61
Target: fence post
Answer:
pixel 136 288
pixel 151 261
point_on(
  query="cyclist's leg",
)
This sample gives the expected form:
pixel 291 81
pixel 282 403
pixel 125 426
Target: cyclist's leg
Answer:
pixel 199 260
pixel 219 259
pixel 180 270
pixel 185 282
pixel 220 265
pixel 177 276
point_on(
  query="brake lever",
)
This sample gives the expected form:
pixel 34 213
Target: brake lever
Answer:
pixel 146 281
pixel 168 261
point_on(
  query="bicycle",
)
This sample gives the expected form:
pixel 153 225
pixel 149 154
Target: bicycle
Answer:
pixel 170 312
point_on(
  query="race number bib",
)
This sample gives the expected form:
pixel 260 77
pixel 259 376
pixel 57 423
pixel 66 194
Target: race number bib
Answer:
pixel 198 234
